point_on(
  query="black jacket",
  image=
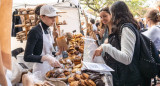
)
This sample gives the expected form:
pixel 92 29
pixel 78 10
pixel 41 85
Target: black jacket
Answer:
pixel 124 75
pixel 15 21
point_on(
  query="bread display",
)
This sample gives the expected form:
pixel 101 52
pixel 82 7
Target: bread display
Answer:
pixel 76 45
pixel 71 79
pixel 77 60
pixel 81 80
pixel 84 76
pixel 20 36
pixel 74 83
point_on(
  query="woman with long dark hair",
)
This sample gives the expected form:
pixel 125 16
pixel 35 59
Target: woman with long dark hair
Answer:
pixel 105 16
pixel 121 52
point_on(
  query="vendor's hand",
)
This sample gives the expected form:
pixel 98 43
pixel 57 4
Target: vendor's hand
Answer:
pixel 58 53
pixel 106 41
pixel 62 49
pixel 51 60
pixel 97 52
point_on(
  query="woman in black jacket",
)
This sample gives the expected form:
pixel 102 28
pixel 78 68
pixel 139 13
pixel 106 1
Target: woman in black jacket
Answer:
pixel 122 55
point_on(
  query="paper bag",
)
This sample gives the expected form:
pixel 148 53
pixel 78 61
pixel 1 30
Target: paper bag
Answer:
pixel 62 43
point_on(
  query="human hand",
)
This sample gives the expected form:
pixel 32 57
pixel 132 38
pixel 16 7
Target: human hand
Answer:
pixel 97 52
pixel 51 60
pixel 106 41
pixel 58 53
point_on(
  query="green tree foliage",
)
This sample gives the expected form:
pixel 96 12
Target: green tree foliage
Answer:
pixel 136 6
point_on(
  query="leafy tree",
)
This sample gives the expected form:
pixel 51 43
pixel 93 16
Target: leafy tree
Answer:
pixel 136 6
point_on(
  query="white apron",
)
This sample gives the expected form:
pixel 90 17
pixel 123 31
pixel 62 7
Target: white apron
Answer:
pixel 47 49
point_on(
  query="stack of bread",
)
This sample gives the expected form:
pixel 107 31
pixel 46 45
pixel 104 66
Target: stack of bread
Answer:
pixel 58 73
pixel 76 45
pixel 30 10
pixel 30 21
pixel 81 80
pixel 20 36
pixel 87 78
pixel 22 11
pixel 26 11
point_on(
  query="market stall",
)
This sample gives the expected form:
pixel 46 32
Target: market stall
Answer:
pixel 78 49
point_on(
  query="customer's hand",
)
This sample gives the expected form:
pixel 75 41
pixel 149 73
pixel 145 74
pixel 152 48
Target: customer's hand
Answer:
pixel 98 52
pixel 27 80
pixel 51 60
pixel 106 41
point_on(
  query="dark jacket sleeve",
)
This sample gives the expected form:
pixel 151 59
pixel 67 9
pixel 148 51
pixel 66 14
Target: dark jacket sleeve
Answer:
pixel 31 42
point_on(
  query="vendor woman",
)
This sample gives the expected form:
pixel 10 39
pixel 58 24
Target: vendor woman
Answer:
pixel 39 47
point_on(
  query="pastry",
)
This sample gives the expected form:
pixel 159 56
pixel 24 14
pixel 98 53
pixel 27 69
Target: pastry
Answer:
pixel 77 60
pixel 62 61
pixel 31 12
pixel 27 21
pixel 61 76
pixel 77 77
pixel 66 73
pixel 78 66
pixel 76 69
pixel 74 83
pixel 77 47
pixel 82 83
pixel 89 83
pixel 30 9
pixel 49 74
pixel 28 24
pixel 76 52
pixel 81 50
pixel 22 9
pixel 84 76
pixel 71 79
pixel 31 18
pixel 68 61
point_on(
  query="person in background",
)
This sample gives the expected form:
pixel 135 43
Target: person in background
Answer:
pixel 93 25
pixel 82 28
pixel 39 46
pixel 141 24
pixel 121 52
pixel 153 32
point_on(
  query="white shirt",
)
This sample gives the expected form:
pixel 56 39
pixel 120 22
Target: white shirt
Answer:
pixel 124 55
pixel 154 34
pixel 94 27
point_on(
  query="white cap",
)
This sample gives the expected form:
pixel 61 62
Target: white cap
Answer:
pixel 48 10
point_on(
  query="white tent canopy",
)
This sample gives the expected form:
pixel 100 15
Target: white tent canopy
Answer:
pixel 17 3
pixel 71 16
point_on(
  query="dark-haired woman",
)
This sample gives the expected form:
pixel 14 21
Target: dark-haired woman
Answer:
pixel 106 24
pixel 121 52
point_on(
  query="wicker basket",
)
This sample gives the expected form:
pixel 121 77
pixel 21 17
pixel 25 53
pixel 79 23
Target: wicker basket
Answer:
pixel 58 83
